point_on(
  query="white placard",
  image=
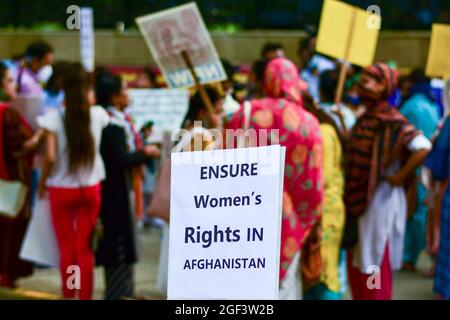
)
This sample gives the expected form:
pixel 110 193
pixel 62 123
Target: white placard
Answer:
pixel 30 107
pixel 87 44
pixel 165 107
pixel 40 245
pixel 225 231
pixel 168 33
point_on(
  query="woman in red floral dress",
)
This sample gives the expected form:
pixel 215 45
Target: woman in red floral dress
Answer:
pixel 298 130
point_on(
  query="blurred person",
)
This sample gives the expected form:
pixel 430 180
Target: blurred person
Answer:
pixel 351 94
pixel 328 87
pixel 101 71
pixel 230 105
pixel 305 51
pixel 433 202
pixel 14 64
pixel 198 121
pixel 256 79
pixel 38 55
pixel 384 149
pixel 146 79
pixel 312 65
pixel 272 50
pixel 150 171
pixel 54 93
pixel 327 285
pixel 439 164
pixel 196 134
pixel 117 252
pixel 14 132
pixel 72 172
pixel 299 131
pixel 421 110
pixel 404 86
pixel 438 202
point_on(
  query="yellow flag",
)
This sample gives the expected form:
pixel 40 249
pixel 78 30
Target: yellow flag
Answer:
pixel 347 32
pixel 439 55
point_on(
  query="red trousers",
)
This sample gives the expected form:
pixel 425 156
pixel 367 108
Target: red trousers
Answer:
pixel 359 281
pixel 74 213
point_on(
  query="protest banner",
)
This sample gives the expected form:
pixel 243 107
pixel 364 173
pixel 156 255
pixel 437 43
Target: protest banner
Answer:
pixel 225 226
pixel 168 33
pixel 165 107
pixel 347 33
pixel 438 64
pixel 87 38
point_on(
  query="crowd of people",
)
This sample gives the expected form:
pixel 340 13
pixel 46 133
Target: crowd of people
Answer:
pixel 365 181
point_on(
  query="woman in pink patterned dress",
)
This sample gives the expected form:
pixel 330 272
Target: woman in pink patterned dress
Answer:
pixel 298 130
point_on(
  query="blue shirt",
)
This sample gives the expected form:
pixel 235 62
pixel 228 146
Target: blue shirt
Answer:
pixel 422 113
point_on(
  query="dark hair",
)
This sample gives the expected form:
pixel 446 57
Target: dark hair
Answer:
pixel 196 104
pixel 150 75
pixel 328 84
pixel 322 116
pixel 305 43
pixel 420 83
pixel 18 56
pixel 54 84
pixel 270 46
pixel 101 71
pixel 147 125
pixel 3 69
pixel 107 86
pixel 77 119
pixel 229 69
pixel 38 49
pixel 418 76
pixel 259 68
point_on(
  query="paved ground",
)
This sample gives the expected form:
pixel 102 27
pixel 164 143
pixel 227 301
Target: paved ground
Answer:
pixel 406 285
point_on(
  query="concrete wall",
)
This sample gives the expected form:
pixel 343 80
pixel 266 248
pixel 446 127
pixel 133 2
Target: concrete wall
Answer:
pixel 409 49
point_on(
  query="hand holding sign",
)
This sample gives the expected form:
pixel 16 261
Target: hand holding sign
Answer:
pixel 350 34
pixel 225 228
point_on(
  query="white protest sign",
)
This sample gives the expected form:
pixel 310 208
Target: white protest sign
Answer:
pixel 225 224
pixel 168 33
pixel 165 107
pixel 40 244
pixel 87 38
pixel 30 107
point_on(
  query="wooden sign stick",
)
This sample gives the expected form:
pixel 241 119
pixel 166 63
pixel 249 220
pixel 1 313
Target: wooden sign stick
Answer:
pixel 205 98
pixel 343 72
pixel 219 88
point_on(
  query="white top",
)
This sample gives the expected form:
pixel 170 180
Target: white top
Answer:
pixel 384 221
pixel 60 177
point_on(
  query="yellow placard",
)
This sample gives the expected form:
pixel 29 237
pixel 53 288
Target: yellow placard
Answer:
pixel 438 64
pixel 347 32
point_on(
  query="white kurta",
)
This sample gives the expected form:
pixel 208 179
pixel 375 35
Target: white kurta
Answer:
pixel 384 221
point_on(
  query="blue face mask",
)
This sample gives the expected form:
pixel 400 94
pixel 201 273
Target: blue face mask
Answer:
pixel 353 100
